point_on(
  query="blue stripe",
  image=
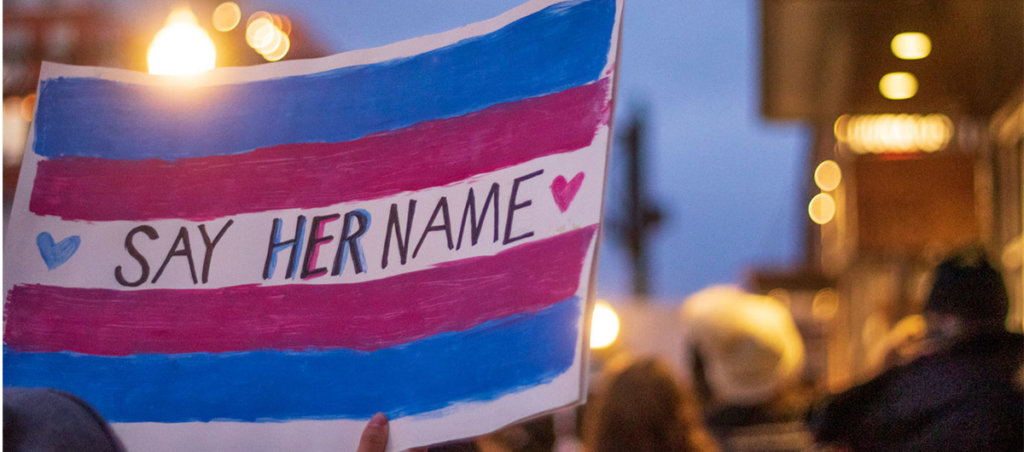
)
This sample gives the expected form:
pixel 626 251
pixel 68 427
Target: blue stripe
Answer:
pixel 559 47
pixel 483 363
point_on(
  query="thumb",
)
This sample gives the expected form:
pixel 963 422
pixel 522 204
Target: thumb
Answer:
pixel 375 435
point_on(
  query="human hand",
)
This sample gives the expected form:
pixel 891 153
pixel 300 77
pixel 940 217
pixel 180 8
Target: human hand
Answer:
pixel 375 435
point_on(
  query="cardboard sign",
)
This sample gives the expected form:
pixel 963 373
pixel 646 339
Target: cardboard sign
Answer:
pixel 262 258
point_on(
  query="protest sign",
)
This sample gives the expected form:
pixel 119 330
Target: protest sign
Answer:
pixel 262 258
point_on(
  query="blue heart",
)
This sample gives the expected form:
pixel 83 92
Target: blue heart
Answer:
pixel 55 254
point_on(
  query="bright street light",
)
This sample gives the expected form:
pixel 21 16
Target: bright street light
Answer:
pixel 604 326
pixel 181 47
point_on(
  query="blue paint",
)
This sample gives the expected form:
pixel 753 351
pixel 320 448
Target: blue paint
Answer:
pixel 276 246
pixel 562 46
pixel 342 255
pixel 294 268
pixel 56 254
pixel 490 360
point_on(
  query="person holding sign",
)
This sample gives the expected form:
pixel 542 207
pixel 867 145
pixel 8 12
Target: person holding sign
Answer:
pixel 39 419
pixel 258 258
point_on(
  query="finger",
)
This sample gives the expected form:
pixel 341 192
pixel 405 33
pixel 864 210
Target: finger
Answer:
pixel 375 435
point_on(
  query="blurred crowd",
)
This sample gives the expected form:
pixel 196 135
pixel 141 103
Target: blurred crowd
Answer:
pixel 949 378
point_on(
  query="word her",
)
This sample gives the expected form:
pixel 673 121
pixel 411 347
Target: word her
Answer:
pixel 305 245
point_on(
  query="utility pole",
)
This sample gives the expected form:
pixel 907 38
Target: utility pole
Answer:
pixel 641 214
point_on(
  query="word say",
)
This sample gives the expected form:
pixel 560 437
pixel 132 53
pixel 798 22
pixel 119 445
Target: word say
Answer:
pixel 180 247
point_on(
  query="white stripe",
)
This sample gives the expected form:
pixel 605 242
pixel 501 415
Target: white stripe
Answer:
pixel 239 257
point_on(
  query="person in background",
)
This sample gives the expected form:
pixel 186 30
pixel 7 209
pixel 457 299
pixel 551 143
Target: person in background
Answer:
pixel 964 389
pixel 534 435
pixel 48 420
pixel 746 357
pixel 643 408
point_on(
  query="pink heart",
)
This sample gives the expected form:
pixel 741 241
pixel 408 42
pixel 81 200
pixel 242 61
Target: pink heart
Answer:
pixel 564 192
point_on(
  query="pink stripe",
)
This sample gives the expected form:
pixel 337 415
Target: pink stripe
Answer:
pixel 309 175
pixel 453 296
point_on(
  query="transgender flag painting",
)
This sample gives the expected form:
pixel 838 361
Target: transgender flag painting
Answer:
pixel 262 258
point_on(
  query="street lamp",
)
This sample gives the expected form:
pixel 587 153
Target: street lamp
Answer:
pixel 604 326
pixel 181 47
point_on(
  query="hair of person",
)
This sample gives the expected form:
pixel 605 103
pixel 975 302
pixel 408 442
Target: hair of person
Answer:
pixel 644 408
pixel 967 286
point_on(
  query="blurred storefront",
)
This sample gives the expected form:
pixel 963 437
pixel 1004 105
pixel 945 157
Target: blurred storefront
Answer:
pixel 917 109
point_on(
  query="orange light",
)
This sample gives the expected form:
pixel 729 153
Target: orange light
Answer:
pixel 266 34
pixel 822 208
pixel 828 175
pixel 825 305
pixel 888 133
pixel 911 45
pixel 898 85
pixel 226 16
pixel 284 44
pixel 260 33
pixel 604 326
pixel 181 47
pixel 28 107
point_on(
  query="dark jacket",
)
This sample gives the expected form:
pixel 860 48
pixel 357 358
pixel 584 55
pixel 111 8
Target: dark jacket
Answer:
pixel 761 429
pixel 965 398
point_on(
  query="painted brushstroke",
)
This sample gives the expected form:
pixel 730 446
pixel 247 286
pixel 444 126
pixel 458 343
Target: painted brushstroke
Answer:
pixel 452 296
pixel 433 373
pixel 561 46
pixel 320 174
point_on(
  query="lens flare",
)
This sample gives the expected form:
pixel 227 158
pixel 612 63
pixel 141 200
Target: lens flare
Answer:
pixel 181 47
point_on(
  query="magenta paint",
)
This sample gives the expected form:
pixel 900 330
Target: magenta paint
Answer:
pixel 452 296
pixel 564 192
pixel 311 175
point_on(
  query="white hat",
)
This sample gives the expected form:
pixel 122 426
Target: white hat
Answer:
pixel 749 345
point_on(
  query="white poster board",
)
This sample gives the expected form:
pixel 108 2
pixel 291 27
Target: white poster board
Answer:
pixel 262 258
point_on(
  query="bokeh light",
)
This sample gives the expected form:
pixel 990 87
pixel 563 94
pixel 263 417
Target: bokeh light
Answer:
pixel 226 16
pixel 825 305
pixel 822 208
pixel 898 85
pixel 828 175
pixel 15 128
pixel 283 45
pixel 891 133
pixel 267 34
pixel 259 33
pixel 28 107
pixel 911 45
pixel 604 326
